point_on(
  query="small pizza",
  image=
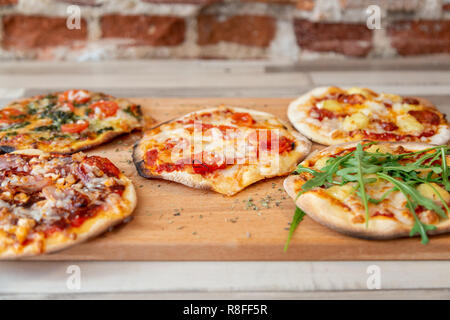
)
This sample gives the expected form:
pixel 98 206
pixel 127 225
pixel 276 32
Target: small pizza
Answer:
pixel 66 122
pixel 376 190
pixel 50 202
pixel 332 116
pixel 223 149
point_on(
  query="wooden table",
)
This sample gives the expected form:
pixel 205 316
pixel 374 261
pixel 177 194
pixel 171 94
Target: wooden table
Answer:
pixel 247 279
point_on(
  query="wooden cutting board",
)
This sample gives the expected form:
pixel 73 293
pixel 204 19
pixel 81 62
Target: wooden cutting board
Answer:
pixel 174 222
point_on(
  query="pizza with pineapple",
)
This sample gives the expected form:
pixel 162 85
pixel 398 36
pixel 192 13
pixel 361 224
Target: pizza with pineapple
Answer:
pixel 331 115
pixel 375 190
pixel 52 201
pixel 224 149
pixel 66 122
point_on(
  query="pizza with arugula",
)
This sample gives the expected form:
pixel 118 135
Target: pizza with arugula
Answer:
pixel 375 190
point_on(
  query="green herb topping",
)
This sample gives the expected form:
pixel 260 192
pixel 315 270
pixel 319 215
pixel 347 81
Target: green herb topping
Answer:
pixel 404 171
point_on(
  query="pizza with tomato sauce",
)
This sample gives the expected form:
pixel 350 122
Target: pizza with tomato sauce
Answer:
pixel 50 202
pixel 223 149
pixel 375 190
pixel 66 122
pixel 332 115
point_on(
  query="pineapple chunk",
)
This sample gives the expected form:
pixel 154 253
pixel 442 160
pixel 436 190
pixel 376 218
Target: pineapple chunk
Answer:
pixel 355 90
pixel 355 121
pixel 332 105
pixel 408 123
pixel 381 148
pixel 341 192
pixel 321 163
pixel 403 108
pixel 428 192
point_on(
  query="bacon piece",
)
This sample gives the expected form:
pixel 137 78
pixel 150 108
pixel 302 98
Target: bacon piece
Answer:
pixel 30 184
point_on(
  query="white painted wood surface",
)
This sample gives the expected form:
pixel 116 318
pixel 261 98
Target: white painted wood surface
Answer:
pixel 428 77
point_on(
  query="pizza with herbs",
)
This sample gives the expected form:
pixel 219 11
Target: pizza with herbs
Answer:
pixel 50 202
pixel 375 190
pixel 332 115
pixel 223 149
pixel 66 122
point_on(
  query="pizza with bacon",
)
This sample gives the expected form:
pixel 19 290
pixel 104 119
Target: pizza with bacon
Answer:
pixel 66 122
pixel 375 190
pixel 224 149
pixel 331 115
pixel 50 202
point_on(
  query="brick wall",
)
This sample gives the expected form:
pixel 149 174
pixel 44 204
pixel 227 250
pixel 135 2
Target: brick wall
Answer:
pixel 230 29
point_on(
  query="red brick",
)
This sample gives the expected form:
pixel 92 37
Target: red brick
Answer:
pixel 255 31
pixel 202 2
pixel 396 5
pixel 145 30
pixel 307 5
pixel 93 3
pixel 346 38
pixel 8 2
pixel 25 32
pixel 420 37
pixel 290 2
pixel 446 7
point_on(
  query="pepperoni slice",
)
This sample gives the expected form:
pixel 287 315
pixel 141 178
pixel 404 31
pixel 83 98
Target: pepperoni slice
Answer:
pixel 354 98
pixel 425 116
pixel 411 100
pixel 321 114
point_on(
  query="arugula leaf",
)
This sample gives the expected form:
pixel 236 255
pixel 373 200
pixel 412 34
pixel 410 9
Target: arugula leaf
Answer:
pixel 359 153
pixel 326 173
pixel 419 227
pixel 298 217
pixel 445 169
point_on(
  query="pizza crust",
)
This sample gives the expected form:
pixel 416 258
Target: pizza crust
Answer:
pixel 336 217
pixel 229 187
pixel 298 120
pixel 102 221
